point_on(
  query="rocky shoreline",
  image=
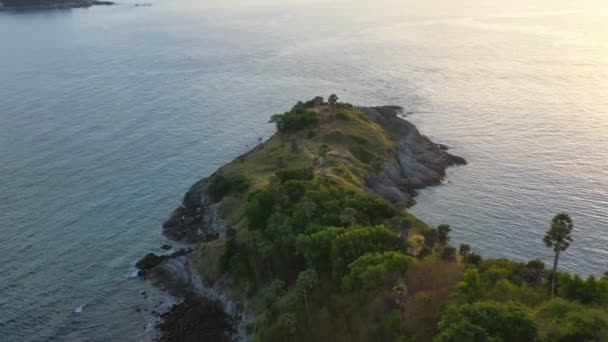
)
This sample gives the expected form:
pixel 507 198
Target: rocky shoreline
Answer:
pixel 416 163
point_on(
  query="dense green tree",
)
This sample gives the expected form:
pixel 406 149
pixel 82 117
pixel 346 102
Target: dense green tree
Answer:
pixel 306 282
pixel 464 250
pixel 474 259
pixel 534 272
pixel 360 240
pixel 295 120
pixel 430 237
pixel 586 291
pixel 470 287
pixel 347 217
pixel 370 271
pixel 566 321
pixel 501 322
pixel 443 232
pixel 220 186
pixel 308 208
pixel 289 322
pixel 464 331
pixel 333 101
pixel 316 247
pixel 558 238
pixel 263 248
pixel 448 253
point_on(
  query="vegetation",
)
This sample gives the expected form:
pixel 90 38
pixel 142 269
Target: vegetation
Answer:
pixel 315 257
pixel 558 238
pixel 221 186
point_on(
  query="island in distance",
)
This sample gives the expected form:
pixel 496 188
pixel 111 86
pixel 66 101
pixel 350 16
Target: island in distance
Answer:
pixel 15 5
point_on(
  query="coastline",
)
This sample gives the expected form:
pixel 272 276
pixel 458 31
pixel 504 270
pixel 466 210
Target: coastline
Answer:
pixel 416 163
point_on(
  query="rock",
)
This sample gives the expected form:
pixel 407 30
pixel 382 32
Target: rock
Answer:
pixel 416 163
pixel 166 247
pixel 196 220
pixel 151 260
pixel 142 292
pixel 196 319
pixel 443 147
pixel 456 160
pixel 148 261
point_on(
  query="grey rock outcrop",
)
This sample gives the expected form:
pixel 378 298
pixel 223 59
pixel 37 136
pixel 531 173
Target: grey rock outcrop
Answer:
pixel 196 220
pixel 416 163
pixel 177 275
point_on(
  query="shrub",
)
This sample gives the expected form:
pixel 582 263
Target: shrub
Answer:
pixel 473 259
pixel 220 186
pixel 370 271
pixel 501 322
pixel 342 116
pixel 587 291
pixel 297 174
pixel 448 253
pixel 295 120
pixel 562 320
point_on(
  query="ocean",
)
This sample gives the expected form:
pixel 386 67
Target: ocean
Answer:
pixel 109 114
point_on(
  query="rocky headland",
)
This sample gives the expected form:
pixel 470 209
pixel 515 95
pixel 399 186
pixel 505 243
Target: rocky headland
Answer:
pixel 395 166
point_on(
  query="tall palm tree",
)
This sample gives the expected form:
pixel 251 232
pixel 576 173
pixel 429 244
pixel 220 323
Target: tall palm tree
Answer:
pixel 558 237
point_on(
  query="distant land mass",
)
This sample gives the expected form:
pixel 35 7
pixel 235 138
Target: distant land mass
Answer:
pixel 49 4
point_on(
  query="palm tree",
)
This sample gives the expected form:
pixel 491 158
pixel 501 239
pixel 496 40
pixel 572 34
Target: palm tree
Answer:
pixel 558 237
pixel 400 224
pixel 464 250
pixel 400 293
pixel 333 100
pixel 323 151
pixel 443 231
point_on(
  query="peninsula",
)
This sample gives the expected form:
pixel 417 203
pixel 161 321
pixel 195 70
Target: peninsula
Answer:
pixel 307 237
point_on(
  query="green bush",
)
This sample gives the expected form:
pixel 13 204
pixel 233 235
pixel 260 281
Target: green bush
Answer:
pixel 342 116
pixel 501 322
pixel 562 320
pixel 296 120
pixel 295 174
pixel 370 271
pixel 586 291
pixel 220 186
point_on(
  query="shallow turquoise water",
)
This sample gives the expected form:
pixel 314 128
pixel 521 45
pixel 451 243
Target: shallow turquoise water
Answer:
pixel 108 114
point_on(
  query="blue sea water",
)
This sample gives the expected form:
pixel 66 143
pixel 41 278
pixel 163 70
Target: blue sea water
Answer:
pixel 109 114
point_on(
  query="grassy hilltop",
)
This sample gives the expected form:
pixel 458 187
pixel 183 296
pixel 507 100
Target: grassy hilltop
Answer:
pixel 313 254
